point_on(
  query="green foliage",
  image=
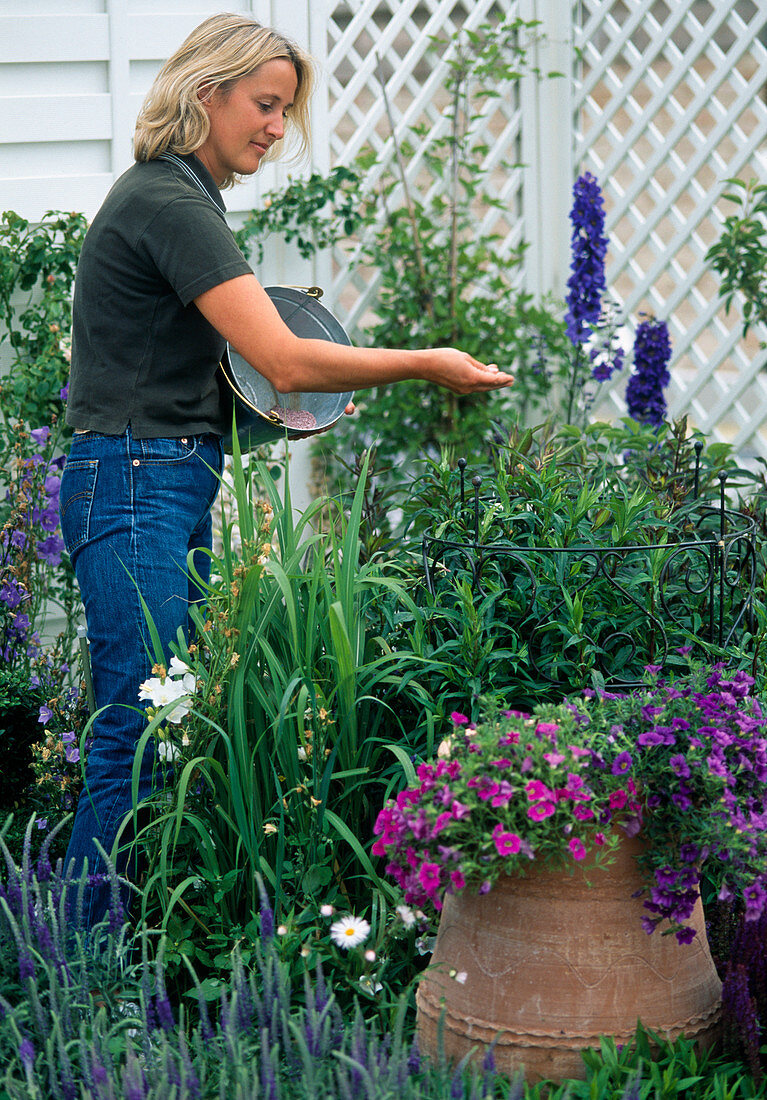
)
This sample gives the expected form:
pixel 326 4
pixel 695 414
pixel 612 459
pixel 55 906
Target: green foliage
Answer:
pixel 18 730
pixel 37 268
pixel 314 213
pixel 295 737
pixel 740 254
pixel 568 571
pixel 37 265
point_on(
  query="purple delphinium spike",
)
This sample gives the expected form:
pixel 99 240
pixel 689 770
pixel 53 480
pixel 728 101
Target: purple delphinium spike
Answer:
pixel 134 1081
pixel 586 283
pixel 245 1003
pixel 633 1089
pixel 163 1006
pixel 191 1082
pixel 645 398
pixel 147 999
pixel 267 1075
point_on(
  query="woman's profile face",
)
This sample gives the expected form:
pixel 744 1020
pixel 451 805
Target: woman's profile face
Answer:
pixel 247 119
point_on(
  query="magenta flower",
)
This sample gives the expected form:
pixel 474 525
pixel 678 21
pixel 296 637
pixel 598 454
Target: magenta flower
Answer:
pixel 547 728
pixel 537 790
pixel 539 811
pixel 457 879
pixel 577 848
pixel 507 844
pixel 428 877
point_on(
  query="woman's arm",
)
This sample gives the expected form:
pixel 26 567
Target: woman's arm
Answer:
pixel 241 310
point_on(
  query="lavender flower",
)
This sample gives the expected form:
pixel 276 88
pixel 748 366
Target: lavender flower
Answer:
pixel 644 393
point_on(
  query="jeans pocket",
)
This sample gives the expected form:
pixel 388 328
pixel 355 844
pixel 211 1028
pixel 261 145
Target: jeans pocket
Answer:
pixel 164 450
pixel 78 487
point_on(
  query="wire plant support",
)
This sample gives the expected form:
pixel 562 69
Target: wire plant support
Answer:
pixel 640 603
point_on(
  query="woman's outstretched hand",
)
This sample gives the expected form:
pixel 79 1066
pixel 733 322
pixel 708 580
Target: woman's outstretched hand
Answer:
pixel 459 372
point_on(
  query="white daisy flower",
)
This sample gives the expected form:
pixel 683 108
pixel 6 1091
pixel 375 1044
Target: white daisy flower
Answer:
pixel 349 932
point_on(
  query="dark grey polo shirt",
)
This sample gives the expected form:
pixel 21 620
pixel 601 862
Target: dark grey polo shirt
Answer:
pixel 142 353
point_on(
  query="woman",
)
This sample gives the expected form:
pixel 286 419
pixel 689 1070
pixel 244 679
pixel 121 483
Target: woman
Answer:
pixel 161 287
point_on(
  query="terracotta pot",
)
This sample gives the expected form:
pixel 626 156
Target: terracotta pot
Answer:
pixel 553 961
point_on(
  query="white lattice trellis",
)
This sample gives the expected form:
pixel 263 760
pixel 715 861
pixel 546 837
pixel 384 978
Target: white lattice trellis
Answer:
pixel 668 98
pixel 374 45
pixel 671 103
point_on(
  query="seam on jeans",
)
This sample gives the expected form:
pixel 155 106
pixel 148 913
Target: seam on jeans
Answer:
pixel 103 828
pixel 91 465
pixel 176 460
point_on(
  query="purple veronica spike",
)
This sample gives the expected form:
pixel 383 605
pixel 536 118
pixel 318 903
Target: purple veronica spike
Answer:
pixel 27 1054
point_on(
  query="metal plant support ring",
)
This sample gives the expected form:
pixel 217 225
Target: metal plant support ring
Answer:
pixel 706 579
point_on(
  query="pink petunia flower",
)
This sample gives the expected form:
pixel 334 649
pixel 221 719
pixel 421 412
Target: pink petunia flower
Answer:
pixel 507 844
pixel 577 848
pixel 540 810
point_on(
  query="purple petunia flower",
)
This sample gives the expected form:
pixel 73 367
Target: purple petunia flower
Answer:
pixel 679 766
pixel 622 763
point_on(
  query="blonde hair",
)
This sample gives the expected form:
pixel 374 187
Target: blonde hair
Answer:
pixel 218 53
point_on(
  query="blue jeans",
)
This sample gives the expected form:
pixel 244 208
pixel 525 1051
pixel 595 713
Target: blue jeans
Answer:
pixel 131 512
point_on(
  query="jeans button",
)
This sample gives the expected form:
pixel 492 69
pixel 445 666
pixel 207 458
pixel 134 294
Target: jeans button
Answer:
pixel 136 462
pixel 184 439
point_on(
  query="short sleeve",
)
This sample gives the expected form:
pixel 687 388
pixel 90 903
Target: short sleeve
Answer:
pixel 192 247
